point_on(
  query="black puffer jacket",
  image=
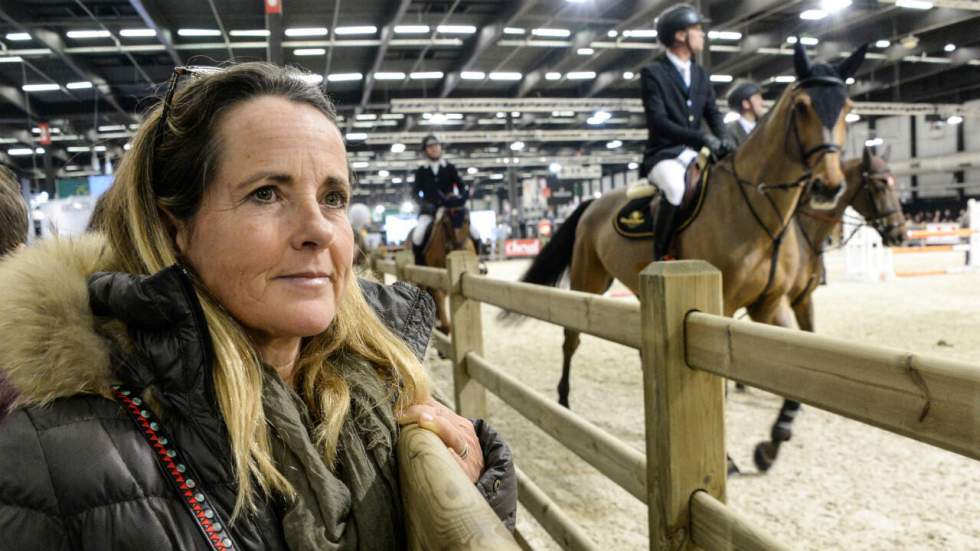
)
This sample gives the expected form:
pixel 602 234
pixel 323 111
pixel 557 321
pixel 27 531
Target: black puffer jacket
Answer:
pixel 74 472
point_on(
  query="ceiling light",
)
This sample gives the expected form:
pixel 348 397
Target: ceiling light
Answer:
pixel 615 144
pixel 112 128
pixel 472 170
pixel 456 29
pixel 501 115
pixel 497 176
pixel 18 37
pixel 88 34
pixel 552 76
pixel 724 35
pixel 360 164
pixel 355 136
pixel 24 151
pixel 312 78
pixel 883 43
pixel 366 117
pixel 127 146
pixel 426 75
pixel 563 113
pixel 954 119
pixel 628 75
pixel 49 87
pixel 78 149
pixel 249 32
pixel 910 42
pixel 784 78
pixel 599 117
pixel 79 85
pixel 137 33
pixel 384 173
pixel 849 81
pixel 585 51
pixel 505 75
pixel 833 6
pixel 806 40
pixel 344 77
pixel 411 29
pixel 874 142
pixel 914 4
pixel 306 31
pixel 640 33
pixel 473 75
pixel 633 166
pixel 514 30
pixel 580 75
pixel 721 78
pixel 392 116
pixel 355 30
pixel 517 146
pixel 309 51
pixel 11 59
pixel 612 33
pixel 554 168
pixel 389 76
pixel 515 114
pixel 199 32
pixel 397 148
pixel 949 48
pixel 99 148
pixel 552 33
pixel 396 180
pixel 852 117
pixel 813 15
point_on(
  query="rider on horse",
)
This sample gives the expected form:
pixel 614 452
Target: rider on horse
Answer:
pixel 437 184
pixel 677 95
pixel 746 100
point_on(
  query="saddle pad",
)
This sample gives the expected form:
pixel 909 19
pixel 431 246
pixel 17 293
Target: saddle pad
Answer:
pixel 635 219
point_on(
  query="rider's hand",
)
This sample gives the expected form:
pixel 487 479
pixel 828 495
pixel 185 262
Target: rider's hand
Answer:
pixel 714 145
pixel 728 145
pixel 456 432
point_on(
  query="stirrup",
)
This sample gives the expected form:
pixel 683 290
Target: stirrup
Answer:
pixel 642 188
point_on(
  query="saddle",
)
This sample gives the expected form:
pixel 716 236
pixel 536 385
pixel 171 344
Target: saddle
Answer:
pixel 635 219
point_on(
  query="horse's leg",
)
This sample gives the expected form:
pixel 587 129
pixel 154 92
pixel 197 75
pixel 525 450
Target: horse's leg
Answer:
pixel 588 275
pixel 782 430
pixel 441 311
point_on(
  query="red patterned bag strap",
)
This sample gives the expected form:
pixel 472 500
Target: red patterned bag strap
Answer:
pixel 177 470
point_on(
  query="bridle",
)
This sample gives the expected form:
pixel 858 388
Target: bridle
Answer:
pixel 449 229
pixel 805 155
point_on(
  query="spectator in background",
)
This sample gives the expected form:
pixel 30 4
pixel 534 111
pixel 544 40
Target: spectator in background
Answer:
pixel 13 214
pixel 746 100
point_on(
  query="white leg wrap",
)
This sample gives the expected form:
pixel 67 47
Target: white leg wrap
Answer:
pixel 419 233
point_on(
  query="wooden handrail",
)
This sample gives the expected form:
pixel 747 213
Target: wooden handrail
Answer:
pixel 436 278
pixel 443 509
pixel 716 526
pixel 562 529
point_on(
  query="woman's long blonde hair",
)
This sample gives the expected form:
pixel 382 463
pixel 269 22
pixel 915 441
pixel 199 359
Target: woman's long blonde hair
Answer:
pixel 171 171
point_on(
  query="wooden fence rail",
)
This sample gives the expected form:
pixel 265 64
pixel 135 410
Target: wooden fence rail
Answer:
pixel 687 349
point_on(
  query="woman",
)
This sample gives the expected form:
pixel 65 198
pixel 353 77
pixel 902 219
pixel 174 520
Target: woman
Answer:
pixel 259 389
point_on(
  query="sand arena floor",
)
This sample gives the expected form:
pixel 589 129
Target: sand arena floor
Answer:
pixel 838 484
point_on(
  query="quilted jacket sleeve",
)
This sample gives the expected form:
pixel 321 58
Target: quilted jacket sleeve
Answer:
pixel 30 517
pixel 405 309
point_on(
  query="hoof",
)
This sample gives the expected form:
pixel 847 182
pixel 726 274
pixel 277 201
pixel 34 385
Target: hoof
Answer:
pixel 563 402
pixel 739 387
pixel 483 269
pixel 732 467
pixel 764 456
pixel 780 434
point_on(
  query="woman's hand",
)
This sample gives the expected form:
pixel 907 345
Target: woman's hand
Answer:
pixel 456 432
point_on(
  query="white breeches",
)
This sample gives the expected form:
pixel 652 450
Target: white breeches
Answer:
pixel 668 175
pixel 418 234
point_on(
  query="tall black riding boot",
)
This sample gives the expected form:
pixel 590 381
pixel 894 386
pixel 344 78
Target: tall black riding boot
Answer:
pixel 419 251
pixel 663 228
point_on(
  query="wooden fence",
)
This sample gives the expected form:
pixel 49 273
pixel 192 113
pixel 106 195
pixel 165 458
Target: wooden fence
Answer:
pixel 687 350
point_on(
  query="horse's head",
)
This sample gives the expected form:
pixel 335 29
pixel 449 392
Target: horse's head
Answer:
pixel 819 105
pixel 878 200
pixel 457 220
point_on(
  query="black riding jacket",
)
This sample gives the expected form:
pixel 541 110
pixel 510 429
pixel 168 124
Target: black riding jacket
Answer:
pixel 431 190
pixel 674 113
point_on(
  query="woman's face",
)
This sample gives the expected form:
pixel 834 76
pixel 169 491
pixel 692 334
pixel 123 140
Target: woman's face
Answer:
pixel 271 240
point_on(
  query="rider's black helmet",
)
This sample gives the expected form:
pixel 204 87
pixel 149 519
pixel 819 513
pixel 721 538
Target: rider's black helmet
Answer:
pixel 430 139
pixel 677 18
pixel 740 92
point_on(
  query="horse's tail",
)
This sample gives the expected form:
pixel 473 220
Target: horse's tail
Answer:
pixel 555 258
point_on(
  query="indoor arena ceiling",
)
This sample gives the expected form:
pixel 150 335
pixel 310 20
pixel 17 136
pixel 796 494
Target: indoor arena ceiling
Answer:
pixel 87 67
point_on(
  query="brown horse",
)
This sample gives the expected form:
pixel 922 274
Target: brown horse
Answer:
pixel 450 232
pixel 749 203
pixel 871 192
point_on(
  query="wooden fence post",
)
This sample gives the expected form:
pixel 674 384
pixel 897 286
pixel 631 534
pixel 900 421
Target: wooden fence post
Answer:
pixel 685 425
pixel 467 335
pixel 402 259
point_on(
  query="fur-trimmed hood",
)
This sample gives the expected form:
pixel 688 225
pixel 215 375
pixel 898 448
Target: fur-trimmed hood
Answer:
pixel 50 342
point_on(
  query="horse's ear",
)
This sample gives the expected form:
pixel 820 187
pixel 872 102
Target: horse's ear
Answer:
pixel 847 68
pixel 866 159
pixel 801 62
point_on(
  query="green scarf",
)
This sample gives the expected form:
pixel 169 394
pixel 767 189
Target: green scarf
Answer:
pixel 358 505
